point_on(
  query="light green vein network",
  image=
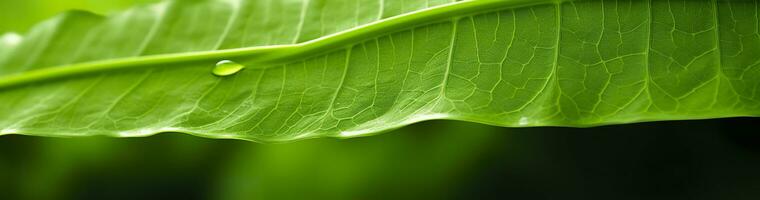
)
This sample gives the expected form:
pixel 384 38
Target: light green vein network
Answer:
pixel 323 68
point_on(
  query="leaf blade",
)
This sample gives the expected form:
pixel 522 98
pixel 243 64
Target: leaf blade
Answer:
pixel 532 64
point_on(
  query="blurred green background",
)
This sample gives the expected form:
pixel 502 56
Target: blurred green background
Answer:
pixel 20 15
pixel 708 159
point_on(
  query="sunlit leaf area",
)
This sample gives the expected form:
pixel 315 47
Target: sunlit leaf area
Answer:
pixel 388 99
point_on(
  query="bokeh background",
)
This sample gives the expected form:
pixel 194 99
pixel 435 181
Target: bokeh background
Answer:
pixel 706 159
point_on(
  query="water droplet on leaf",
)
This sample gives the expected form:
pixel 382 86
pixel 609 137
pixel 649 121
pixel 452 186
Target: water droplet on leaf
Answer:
pixel 10 39
pixel 226 68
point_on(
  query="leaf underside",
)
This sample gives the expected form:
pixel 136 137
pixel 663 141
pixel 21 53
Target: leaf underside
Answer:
pixel 524 63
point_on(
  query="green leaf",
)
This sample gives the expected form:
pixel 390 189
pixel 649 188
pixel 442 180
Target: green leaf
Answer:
pixel 318 68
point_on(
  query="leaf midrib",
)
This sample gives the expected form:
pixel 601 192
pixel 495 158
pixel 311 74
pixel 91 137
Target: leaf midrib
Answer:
pixel 275 53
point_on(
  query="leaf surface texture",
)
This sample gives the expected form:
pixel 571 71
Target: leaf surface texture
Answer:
pixel 322 68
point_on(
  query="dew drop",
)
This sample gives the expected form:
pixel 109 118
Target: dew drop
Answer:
pixel 10 39
pixel 227 68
